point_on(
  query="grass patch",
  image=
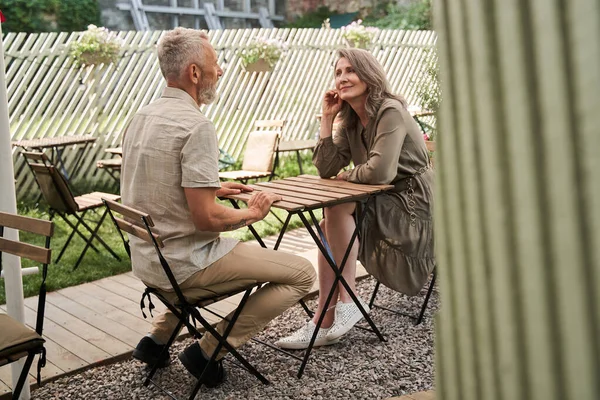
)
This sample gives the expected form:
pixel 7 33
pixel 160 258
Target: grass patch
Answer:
pixel 99 265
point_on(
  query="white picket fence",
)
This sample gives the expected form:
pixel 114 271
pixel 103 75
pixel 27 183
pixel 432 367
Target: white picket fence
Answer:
pixel 49 97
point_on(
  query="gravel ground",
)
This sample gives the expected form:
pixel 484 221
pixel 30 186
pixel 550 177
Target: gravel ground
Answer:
pixel 359 367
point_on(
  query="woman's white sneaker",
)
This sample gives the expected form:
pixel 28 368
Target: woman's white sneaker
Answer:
pixel 346 316
pixel 301 338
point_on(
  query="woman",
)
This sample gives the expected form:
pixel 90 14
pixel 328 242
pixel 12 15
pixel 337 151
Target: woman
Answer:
pixel 386 146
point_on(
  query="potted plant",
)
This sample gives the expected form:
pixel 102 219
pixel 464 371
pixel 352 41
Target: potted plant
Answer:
pixel 95 46
pixel 358 35
pixel 262 54
pixel 429 94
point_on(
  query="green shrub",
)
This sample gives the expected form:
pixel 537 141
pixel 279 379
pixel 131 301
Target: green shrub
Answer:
pixel 390 15
pixel 428 88
pixel 76 15
pixel 49 15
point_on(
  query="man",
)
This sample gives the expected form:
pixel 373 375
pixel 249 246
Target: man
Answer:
pixel 170 171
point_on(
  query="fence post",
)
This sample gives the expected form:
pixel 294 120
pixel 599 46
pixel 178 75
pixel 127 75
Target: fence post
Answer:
pixel 518 200
pixel 8 203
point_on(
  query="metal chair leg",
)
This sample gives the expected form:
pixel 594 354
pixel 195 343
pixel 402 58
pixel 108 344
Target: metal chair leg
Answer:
pixel 94 235
pixel 419 318
pixel 429 291
pixel 374 294
pixel 166 348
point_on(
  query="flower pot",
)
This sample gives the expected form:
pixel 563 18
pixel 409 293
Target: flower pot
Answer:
pixel 359 44
pixel 94 58
pixel 259 66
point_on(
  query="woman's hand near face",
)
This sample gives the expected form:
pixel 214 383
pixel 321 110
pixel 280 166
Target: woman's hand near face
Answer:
pixel 332 103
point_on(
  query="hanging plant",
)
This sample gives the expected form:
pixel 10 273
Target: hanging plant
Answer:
pixel 262 54
pixel 358 35
pixel 95 46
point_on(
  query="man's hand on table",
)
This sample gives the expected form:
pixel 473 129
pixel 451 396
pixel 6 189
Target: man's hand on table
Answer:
pixel 343 176
pixel 230 188
pixel 261 202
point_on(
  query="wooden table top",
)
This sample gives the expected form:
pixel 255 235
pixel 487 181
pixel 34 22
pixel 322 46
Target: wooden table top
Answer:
pixel 306 192
pixel 114 150
pixel 53 141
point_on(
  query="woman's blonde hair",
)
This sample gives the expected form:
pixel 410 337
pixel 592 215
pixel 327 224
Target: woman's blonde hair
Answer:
pixel 368 70
pixel 179 48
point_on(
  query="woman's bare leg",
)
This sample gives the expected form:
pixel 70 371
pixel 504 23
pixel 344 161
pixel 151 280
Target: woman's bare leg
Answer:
pixel 338 227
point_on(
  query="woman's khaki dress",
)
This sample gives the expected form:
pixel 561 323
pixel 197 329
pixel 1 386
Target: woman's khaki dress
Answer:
pixel 396 238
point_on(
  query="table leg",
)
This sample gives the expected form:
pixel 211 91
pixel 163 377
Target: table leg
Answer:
pixel 299 161
pixel 341 279
pixel 283 228
pixel 254 233
pixel 323 246
pixel 60 163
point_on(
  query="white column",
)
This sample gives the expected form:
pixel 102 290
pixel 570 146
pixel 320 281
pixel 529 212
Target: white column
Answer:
pixel 8 203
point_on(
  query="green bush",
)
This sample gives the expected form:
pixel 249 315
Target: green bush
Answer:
pixel 390 15
pixel 76 15
pixel 49 15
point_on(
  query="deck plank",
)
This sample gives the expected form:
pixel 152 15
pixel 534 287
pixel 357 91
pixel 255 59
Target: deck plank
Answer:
pixel 82 329
pixel 67 339
pixel 110 306
pixel 119 289
pixel 49 371
pixel 4 388
pixel 99 320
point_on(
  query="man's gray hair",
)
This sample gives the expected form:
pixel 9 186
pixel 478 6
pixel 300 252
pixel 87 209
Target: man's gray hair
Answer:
pixel 179 48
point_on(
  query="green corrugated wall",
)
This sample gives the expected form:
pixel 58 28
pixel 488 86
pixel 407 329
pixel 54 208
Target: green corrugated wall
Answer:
pixel 518 200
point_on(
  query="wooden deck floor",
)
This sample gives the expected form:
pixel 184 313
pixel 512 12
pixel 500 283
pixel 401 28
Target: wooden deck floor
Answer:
pixel 100 322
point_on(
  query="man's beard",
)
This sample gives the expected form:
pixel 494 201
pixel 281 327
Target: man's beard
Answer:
pixel 207 94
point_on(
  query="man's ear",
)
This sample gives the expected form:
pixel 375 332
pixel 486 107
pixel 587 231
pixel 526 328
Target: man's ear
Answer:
pixel 195 73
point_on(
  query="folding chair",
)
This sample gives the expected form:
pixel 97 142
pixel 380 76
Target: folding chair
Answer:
pixel 17 340
pixel 112 166
pixel 61 201
pixel 418 318
pixel 184 307
pixel 260 157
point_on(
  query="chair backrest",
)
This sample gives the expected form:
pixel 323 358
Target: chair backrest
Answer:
pixel 270 123
pixel 139 224
pixel 36 157
pixel 20 249
pixel 260 150
pixel 29 251
pixel 53 185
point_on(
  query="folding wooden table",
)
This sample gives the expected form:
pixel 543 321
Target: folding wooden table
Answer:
pixel 307 193
pixel 56 146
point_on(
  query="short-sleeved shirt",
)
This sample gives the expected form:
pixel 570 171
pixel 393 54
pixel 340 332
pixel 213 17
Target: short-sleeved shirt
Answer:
pixel 168 146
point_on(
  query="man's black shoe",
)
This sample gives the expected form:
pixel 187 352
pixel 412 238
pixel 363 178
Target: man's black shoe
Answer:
pixel 148 351
pixel 195 362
